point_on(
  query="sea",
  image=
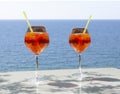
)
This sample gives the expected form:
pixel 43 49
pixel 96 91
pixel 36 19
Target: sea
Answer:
pixel 103 52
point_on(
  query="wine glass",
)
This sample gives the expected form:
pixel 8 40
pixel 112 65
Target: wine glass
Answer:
pixel 36 42
pixel 79 41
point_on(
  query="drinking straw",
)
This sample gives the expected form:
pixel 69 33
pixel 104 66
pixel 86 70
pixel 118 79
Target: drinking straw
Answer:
pixel 87 23
pixel 25 15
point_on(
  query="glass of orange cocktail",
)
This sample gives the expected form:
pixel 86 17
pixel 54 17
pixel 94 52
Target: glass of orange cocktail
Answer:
pixel 36 42
pixel 79 41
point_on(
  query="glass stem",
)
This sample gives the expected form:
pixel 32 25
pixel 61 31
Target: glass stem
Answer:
pixel 80 65
pixel 36 67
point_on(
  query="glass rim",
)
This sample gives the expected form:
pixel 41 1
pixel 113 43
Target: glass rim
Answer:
pixel 37 29
pixel 79 30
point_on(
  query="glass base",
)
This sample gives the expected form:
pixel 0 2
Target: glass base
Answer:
pixel 79 76
pixel 37 81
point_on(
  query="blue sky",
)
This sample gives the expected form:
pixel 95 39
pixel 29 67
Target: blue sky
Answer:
pixel 61 9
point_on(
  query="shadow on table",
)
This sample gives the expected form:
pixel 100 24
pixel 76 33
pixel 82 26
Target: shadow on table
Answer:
pixel 14 88
pixel 101 84
pixel 96 84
